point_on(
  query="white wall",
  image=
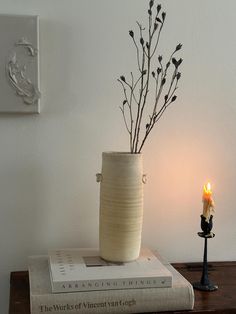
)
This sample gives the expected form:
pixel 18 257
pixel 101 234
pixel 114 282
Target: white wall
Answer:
pixel 48 194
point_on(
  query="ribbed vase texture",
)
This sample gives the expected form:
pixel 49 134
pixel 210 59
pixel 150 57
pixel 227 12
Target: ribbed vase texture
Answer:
pixel 121 206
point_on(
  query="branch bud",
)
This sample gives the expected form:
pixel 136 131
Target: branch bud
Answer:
pixel 160 58
pixel 153 74
pixel 122 78
pixel 131 33
pixel 178 76
pixel 178 47
pixel 158 71
pixel 173 98
pixel 151 4
pixel 142 41
pixel 158 8
pixel 163 81
pixel 174 61
pixel 163 16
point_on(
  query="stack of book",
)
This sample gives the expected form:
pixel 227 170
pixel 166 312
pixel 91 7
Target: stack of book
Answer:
pixel 78 281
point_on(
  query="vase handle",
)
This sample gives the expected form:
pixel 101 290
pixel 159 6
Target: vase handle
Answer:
pixel 98 177
pixel 144 178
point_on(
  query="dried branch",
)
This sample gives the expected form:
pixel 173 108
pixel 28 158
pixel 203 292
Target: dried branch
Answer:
pixel 137 100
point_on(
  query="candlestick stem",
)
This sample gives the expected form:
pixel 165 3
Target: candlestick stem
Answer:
pixel 205 279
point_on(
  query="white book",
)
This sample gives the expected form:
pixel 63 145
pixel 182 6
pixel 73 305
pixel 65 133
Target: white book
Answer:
pixel 178 297
pixel 83 270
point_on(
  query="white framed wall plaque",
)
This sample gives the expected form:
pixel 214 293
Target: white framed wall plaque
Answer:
pixel 19 64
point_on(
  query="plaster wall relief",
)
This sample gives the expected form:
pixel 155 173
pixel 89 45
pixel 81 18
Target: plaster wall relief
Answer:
pixel 17 74
pixel 19 64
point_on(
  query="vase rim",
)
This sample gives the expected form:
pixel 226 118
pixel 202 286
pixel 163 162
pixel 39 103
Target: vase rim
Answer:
pixel 120 153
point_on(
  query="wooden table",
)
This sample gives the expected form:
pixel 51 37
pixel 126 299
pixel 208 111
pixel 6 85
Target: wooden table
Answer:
pixel 222 301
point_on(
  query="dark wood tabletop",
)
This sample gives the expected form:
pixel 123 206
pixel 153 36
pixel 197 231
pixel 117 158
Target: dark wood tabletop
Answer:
pixel 222 301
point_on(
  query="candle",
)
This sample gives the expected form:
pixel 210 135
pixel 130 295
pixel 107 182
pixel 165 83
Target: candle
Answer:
pixel 208 203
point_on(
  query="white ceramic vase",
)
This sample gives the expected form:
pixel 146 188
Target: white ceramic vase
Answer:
pixel 121 206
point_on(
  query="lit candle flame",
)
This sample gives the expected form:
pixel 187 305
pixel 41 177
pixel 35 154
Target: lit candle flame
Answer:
pixel 207 188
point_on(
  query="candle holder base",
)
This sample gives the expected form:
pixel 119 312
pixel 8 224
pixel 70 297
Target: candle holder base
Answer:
pixel 205 284
pixel 202 287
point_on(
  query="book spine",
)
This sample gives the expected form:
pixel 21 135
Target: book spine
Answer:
pixel 110 284
pixel 114 301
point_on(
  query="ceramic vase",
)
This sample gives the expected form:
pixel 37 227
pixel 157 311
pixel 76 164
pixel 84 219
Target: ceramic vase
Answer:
pixel 121 206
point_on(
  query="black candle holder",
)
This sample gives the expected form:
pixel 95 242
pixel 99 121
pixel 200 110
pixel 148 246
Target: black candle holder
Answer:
pixel 205 284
